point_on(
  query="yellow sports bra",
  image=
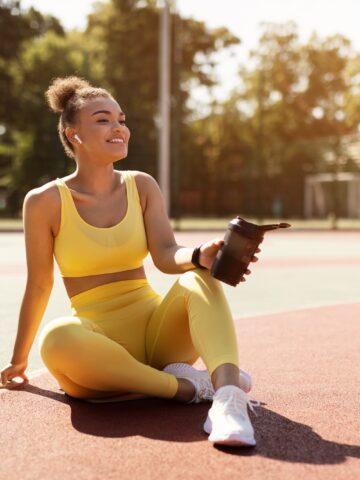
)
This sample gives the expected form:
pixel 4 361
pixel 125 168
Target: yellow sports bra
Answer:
pixel 81 249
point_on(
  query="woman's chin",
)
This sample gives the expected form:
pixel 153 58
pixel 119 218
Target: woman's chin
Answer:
pixel 117 158
pixel 121 158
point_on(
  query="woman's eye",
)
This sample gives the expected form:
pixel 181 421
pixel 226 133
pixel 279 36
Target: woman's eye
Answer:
pixel 106 120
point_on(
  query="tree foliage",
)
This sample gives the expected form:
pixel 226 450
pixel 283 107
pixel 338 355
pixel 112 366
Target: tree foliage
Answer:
pixel 294 104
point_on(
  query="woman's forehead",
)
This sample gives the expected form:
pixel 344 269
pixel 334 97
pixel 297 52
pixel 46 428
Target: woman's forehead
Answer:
pixel 98 104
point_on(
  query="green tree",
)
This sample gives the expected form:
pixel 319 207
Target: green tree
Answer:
pixel 223 145
pixel 16 28
pixel 38 155
pixel 299 99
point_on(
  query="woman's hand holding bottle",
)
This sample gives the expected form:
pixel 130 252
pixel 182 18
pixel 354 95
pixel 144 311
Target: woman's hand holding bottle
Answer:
pixel 209 250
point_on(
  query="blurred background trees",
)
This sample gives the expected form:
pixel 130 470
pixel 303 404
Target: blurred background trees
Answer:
pixel 294 114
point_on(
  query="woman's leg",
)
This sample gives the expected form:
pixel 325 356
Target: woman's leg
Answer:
pixel 193 319
pixel 88 364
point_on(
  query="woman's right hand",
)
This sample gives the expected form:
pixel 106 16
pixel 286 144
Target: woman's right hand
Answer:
pixel 11 371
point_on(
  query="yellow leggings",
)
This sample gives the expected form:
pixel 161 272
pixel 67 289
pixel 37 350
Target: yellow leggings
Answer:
pixel 122 334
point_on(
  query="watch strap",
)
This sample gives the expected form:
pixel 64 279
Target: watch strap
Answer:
pixel 195 257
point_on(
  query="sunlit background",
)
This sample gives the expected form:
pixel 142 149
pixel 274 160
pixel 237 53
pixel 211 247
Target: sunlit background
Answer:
pixel 264 110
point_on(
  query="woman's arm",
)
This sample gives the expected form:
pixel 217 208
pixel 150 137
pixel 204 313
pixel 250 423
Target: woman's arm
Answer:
pixel 39 245
pixel 167 255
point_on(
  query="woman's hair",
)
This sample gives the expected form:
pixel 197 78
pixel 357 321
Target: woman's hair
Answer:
pixel 67 96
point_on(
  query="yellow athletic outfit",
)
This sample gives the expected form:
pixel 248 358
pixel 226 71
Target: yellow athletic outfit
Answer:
pixel 122 334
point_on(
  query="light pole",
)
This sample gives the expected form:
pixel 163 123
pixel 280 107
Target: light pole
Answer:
pixel 176 137
pixel 164 104
pixel 260 141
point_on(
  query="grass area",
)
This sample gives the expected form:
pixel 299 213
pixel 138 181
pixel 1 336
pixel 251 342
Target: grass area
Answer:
pixel 15 224
pixel 11 224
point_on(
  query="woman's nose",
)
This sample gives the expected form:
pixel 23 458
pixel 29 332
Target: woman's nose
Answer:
pixel 123 129
pixel 118 127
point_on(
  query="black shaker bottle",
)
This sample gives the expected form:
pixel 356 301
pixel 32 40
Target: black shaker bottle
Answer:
pixel 241 240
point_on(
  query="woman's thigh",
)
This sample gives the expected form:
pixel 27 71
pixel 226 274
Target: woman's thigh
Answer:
pixel 168 337
pixel 71 334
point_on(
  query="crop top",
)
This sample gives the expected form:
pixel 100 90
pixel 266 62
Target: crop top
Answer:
pixel 81 249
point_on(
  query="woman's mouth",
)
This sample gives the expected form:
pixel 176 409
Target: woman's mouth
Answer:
pixel 116 140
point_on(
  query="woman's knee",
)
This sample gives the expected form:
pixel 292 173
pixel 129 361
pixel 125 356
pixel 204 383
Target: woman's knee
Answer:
pixel 191 275
pixel 199 277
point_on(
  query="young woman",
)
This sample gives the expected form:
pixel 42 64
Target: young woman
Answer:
pixel 123 337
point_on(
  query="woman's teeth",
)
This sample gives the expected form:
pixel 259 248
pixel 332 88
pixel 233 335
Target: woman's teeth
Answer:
pixel 116 140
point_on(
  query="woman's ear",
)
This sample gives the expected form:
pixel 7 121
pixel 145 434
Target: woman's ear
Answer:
pixel 72 136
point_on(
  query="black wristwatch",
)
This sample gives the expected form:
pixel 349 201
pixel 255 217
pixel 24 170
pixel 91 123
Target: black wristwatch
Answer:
pixel 195 257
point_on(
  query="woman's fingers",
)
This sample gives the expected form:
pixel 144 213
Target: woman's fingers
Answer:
pixel 243 279
pixel 14 383
pixel 4 377
pixel 10 374
pixel 254 258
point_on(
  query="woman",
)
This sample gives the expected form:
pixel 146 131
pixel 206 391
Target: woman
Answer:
pixel 122 336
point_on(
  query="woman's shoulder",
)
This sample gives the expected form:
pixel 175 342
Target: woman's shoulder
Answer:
pixel 139 175
pixel 44 193
pixel 45 199
pixel 145 185
pixel 144 181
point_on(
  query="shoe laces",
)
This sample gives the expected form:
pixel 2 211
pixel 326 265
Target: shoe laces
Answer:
pixel 204 389
pixel 236 402
pixel 205 393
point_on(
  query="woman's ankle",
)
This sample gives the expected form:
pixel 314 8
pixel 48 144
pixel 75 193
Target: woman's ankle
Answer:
pixel 226 374
pixel 186 391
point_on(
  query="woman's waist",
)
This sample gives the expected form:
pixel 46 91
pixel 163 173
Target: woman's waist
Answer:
pixel 112 296
pixel 78 285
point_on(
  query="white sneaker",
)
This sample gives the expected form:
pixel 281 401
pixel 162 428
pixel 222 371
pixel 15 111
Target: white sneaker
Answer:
pixel 204 390
pixel 228 422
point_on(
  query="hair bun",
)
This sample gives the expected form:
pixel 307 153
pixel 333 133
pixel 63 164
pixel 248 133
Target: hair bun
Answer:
pixel 62 89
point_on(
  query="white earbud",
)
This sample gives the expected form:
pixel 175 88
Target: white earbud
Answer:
pixel 77 138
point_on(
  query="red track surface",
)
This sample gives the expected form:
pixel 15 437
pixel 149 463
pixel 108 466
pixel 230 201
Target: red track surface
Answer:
pixel 305 367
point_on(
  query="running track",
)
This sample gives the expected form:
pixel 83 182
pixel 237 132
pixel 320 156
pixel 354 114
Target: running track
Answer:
pixel 305 366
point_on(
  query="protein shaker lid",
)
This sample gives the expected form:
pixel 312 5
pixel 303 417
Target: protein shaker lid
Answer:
pixel 245 228
pixel 251 230
pixel 275 226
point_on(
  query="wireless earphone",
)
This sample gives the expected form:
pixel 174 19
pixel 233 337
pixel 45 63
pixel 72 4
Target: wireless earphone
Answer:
pixel 77 138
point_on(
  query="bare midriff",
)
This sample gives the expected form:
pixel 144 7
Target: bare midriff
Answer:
pixel 76 285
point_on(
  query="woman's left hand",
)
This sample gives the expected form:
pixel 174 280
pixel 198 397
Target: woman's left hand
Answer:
pixel 208 252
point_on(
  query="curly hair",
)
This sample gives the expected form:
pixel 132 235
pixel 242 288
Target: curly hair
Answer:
pixel 67 96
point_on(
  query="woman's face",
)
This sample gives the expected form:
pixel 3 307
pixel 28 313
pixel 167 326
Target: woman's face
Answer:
pixel 102 130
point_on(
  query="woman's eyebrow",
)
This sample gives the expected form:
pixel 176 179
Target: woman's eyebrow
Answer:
pixel 122 114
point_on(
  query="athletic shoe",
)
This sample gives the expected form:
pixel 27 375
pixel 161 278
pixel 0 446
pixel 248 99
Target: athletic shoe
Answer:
pixel 228 422
pixel 204 390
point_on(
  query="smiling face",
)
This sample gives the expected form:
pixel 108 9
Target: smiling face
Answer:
pixel 101 127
